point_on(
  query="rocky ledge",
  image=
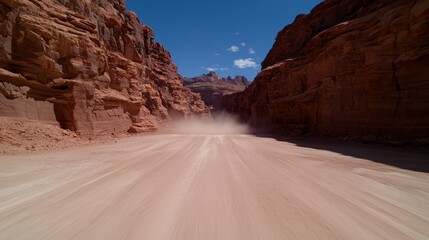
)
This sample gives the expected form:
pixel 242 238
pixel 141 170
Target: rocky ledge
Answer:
pixel 89 66
pixel 349 68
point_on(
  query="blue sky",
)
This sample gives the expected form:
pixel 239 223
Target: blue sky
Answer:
pixel 229 36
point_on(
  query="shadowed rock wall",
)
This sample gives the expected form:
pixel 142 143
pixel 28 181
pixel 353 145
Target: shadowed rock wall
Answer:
pixel 349 68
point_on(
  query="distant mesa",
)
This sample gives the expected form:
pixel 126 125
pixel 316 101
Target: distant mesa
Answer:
pixel 212 88
pixel 214 78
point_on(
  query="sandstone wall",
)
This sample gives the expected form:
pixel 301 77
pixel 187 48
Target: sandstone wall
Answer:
pixel 94 62
pixel 19 106
pixel 349 68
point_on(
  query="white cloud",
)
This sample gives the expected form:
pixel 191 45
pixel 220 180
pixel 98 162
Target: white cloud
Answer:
pixel 251 51
pixel 237 33
pixel 210 69
pixel 217 54
pixel 233 49
pixel 243 44
pixel 214 68
pixel 245 63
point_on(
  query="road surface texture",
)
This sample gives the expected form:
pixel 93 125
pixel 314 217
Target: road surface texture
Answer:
pixel 207 186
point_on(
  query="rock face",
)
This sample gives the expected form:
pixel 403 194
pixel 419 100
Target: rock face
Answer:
pixel 212 87
pixel 349 68
pixel 90 66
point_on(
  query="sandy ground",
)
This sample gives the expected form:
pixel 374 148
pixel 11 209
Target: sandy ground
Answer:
pixel 206 186
pixel 18 136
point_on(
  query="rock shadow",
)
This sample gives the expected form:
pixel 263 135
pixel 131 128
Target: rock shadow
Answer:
pixel 410 158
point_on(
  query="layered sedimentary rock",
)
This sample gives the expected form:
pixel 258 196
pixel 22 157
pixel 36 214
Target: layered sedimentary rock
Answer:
pixel 91 66
pixel 212 87
pixel 349 68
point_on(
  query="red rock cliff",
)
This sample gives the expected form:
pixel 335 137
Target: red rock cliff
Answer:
pixel 350 67
pixel 89 65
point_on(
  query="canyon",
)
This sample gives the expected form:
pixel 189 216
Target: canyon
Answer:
pixel 88 66
pixel 212 88
pixel 102 138
pixel 355 69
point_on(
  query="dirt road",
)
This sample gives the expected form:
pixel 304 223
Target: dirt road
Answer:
pixel 203 186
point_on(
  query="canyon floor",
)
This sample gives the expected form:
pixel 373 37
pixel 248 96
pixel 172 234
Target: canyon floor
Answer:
pixel 209 186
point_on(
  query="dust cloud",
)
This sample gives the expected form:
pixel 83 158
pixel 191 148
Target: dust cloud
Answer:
pixel 220 125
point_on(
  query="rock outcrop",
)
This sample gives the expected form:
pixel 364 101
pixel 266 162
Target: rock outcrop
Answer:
pixel 90 66
pixel 349 68
pixel 212 87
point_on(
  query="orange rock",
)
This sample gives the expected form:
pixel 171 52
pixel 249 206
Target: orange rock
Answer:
pixel 85 59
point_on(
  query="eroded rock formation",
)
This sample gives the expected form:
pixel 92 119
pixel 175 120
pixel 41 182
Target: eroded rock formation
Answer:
pixel 212 87
pixel 349 68
pixel 89 65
